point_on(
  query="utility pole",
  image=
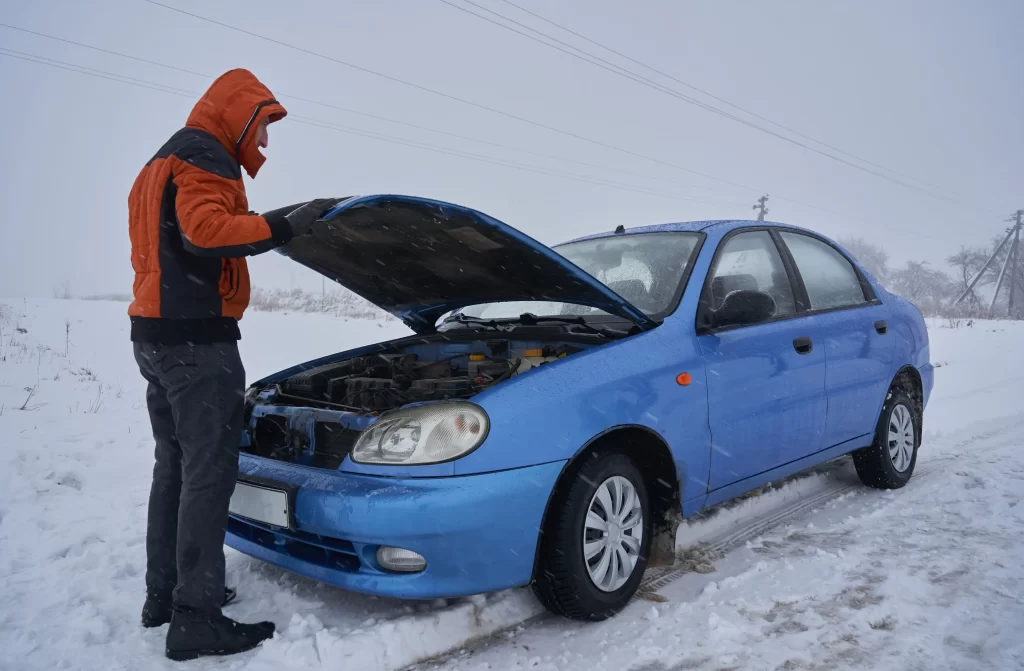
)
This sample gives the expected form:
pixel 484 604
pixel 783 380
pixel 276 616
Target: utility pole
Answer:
pixel 1014 277
pixel 1014 232
pixel 761 206
pixel 1011 257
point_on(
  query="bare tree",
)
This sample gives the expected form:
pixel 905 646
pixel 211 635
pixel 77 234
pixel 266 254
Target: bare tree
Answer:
pixel 63 290
pixel 968 262
pixel 929 289
pixel 874 259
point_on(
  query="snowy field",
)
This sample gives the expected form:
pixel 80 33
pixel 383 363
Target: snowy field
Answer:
pixel 818 573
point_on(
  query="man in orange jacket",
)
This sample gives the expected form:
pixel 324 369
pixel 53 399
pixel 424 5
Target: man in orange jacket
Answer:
pixel 190 229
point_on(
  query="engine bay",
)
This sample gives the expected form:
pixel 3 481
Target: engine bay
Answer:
pixel 395 377
pixel 314 416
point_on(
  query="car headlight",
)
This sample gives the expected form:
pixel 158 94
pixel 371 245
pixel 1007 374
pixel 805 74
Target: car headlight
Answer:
pixel 423 434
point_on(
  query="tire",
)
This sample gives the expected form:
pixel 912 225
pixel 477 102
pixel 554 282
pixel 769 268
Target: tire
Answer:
pixel 883 466
pixel 563 581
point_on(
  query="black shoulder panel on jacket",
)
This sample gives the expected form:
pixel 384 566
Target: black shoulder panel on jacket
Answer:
pixel 202 150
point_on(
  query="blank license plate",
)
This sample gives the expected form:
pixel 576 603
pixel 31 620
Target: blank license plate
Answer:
pixel 262 504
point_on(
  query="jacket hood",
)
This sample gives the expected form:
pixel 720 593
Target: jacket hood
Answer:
pixel 420 258
pixel 231 110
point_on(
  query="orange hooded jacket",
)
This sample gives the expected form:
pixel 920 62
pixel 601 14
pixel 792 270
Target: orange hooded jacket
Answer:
pixel 189 221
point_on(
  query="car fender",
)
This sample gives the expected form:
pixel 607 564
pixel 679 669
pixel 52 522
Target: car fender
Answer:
pixel 911 348
pixel 553 412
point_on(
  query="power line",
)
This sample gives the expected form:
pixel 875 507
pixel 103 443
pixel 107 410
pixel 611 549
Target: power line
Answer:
pixel 644 81
pixel 623 72
pixel 489 143
pixel 481 106
pixel 11 53
pixel 503 162
pixel 106 51
pixel 284 94
pixel 192 95
pixel 449 96
pixel 395 121
pixel 702 91
pixel 319 123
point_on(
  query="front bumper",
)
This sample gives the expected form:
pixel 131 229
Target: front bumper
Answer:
pixel 478 533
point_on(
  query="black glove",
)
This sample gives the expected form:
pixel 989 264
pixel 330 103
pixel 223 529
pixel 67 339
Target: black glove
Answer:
pixel 301 218
pixel 279 213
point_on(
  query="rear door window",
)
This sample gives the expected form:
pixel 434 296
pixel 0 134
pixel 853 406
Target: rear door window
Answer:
pixel 829 277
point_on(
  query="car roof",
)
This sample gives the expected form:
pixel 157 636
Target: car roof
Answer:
pixel 723 225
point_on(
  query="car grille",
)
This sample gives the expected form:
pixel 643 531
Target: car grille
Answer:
pixel 273 438
pixel 332 442
pixel 332 553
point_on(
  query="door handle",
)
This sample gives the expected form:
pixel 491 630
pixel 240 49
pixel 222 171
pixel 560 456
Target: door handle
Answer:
pixel 881 327
pixel 803 345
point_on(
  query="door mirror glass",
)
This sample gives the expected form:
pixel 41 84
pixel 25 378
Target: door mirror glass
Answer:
pixel 744 307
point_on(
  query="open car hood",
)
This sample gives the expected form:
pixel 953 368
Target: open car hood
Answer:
pixel 418 259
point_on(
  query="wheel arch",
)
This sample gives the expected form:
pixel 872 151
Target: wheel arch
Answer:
pixel 652 455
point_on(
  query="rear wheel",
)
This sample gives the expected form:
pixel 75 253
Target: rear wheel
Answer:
pixel 890 461
pixel 596 540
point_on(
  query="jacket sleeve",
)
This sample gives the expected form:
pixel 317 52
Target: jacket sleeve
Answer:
pixel 208 226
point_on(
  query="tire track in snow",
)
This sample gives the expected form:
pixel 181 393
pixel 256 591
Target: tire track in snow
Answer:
pixel 718 545
pixel 659 578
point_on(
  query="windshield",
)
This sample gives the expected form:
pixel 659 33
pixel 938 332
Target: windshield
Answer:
pixel 644 268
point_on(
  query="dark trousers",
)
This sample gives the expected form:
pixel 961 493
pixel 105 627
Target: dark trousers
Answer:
pixel 195 400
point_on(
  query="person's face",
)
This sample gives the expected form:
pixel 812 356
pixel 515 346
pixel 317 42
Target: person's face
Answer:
pixel 262 135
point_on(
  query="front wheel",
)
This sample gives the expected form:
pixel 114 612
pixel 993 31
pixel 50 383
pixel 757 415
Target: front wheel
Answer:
pixel 596 540
pixel 890 461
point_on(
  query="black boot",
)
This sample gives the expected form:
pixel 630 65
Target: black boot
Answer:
pixel 156 611
pixel 195 634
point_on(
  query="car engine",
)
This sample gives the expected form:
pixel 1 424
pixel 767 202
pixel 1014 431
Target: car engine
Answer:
pixel 313 417
pixel 379 382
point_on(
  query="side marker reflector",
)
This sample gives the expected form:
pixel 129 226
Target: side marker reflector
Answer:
pixel 683 379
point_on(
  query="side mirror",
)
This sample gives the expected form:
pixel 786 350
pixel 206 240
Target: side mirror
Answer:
pixel 743 307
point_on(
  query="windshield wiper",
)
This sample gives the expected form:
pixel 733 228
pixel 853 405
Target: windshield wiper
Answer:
pixel 530 319
pixel 460 318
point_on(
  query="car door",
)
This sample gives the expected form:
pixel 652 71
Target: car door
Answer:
pixel 855 336
pixel 766 378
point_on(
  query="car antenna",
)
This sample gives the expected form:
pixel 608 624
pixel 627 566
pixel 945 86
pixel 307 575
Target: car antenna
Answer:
pixel 620 229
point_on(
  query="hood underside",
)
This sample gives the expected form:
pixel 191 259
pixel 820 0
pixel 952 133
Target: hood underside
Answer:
pixel 419 258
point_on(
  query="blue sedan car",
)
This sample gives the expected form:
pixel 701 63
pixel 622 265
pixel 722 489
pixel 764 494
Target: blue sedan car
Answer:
pixel 557 408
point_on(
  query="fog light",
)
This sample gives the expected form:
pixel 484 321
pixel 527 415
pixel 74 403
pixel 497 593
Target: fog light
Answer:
pixel 397 559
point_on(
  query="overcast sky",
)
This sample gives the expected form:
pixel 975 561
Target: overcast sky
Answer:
pixel 931 89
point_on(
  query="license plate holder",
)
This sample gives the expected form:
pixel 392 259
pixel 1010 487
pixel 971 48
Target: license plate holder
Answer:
pixel 263 501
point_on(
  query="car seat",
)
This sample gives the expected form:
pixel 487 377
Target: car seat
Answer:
pixel 723 285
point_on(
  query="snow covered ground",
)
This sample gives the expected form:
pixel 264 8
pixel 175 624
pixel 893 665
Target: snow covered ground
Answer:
pixel 819 573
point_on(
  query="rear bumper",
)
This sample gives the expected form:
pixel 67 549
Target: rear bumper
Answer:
pixel 478 533
pixel 927 372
